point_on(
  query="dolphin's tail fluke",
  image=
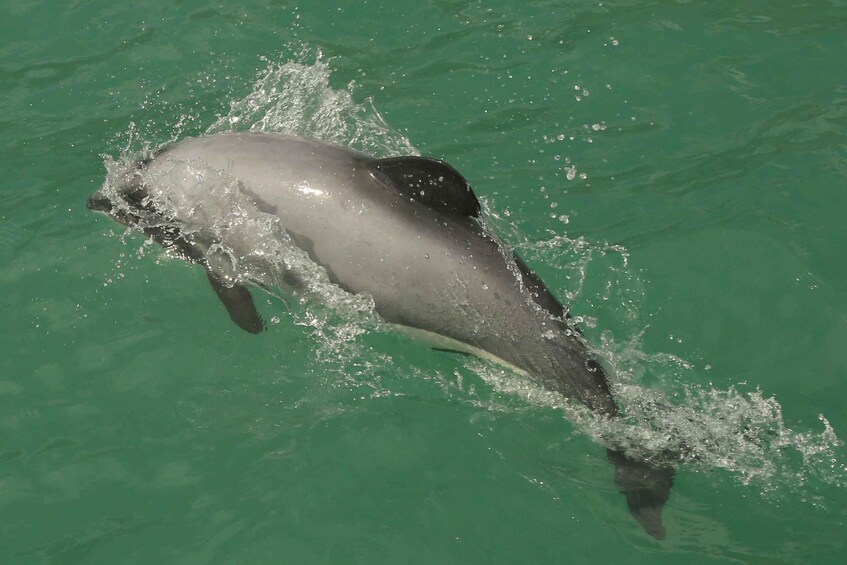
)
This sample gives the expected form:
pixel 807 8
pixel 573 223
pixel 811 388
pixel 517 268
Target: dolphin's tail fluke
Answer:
pixel 646 487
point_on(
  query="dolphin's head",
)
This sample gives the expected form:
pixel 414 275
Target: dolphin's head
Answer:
pixel 126 201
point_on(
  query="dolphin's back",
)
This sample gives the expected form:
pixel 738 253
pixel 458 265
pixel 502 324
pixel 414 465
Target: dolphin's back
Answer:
pixel 378 227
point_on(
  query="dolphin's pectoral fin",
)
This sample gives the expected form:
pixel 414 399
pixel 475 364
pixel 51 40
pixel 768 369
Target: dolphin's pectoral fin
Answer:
pixel 646 487
pixel 433 183
pixel 239 304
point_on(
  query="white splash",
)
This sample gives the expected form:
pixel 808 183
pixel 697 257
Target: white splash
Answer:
pixel 296 98
pixel 740 430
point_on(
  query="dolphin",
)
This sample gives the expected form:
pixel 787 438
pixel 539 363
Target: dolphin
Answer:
pixel 407 231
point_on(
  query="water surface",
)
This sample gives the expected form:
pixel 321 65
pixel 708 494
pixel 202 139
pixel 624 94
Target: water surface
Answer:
pixel 673 170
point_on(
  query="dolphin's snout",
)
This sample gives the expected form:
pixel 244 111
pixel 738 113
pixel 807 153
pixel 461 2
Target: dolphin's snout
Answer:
pixel 99 202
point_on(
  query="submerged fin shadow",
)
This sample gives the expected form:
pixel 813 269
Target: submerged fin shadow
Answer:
pixel 646 486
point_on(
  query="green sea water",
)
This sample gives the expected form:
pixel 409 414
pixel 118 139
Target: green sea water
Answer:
pixel 675 171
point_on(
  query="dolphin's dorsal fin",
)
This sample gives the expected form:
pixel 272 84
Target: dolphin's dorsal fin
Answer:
pixel 431 182
pixel 239 304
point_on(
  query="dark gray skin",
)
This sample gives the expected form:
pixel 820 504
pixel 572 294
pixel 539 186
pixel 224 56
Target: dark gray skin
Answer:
pixel 405 231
